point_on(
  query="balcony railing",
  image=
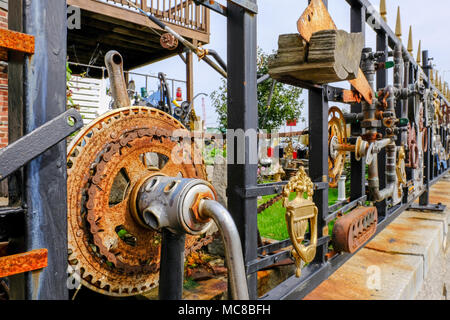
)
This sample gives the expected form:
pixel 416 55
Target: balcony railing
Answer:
pixel 184 13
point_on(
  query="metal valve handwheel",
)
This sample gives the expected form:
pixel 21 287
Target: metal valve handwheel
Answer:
pixel 337 139
pixel 111 252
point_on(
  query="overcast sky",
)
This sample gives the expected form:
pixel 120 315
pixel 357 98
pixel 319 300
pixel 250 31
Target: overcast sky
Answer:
pixel 428 18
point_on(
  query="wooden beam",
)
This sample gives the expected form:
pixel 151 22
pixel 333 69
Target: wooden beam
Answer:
pixel 136 18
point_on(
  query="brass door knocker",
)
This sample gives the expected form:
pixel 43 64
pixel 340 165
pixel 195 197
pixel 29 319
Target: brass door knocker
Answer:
pixel 299 213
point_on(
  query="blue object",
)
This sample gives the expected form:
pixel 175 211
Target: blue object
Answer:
pixel 155 98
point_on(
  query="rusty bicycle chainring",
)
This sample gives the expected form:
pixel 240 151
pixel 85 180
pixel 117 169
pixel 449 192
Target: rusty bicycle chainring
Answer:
pixel 116 147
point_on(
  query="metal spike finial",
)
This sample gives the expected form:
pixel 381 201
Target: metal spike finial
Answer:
pixel 410 41
pixel 419 53
pixel 398 26
pixel 431 76
pixel 383 11
pixel 436 78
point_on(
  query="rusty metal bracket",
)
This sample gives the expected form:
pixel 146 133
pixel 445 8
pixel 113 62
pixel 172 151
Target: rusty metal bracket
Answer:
pixel 23 262
pixel 335 94
pixel 15 41
pixel 38 141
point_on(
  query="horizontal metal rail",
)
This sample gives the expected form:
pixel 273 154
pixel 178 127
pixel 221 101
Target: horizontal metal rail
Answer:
pixel 38 141
pixel 314 274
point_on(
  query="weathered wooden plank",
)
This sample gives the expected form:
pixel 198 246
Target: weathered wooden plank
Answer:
pixel 129 16
pixel 93 91
pixel 332 56
pixel 292 51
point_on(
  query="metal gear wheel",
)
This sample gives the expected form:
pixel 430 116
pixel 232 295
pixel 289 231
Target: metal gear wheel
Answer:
pixel 337 135
pixel 110 251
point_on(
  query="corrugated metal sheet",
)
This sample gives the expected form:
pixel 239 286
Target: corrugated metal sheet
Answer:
pixel 90 95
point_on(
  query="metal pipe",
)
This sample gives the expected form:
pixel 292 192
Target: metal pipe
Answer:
pixel 233 250
pixel 353 117
pixel 218 58
pixel 114 64
pixel 263 78
pixel 374 182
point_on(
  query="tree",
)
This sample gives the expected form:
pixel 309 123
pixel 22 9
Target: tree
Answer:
pixel 285 105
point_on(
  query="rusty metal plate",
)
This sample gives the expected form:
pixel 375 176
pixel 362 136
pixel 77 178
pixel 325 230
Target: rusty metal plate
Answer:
pixel 12 40
pixel 110 250
pixel 23 262
pixel 350 96
pixel 317 18
pixel 353 230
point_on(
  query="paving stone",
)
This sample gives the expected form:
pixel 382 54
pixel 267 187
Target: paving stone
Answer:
pixel 412 255
pixel 410 234
pixel 400 277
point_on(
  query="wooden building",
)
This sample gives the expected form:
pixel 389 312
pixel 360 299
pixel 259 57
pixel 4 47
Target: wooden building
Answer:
pixel 114 24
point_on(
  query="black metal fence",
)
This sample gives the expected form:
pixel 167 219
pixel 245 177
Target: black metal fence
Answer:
pixel 41 187
pixel 243 189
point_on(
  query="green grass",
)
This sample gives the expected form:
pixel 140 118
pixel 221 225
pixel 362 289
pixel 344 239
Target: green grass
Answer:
pixel 272 222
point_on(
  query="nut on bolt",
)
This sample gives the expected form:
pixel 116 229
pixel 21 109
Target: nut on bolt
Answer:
pixel 196 204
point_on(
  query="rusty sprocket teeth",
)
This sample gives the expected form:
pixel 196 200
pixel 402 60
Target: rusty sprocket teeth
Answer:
pixel 96 155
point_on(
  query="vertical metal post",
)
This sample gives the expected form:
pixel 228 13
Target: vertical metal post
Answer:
pixel 318 155
pixel 318 164
pixel 172 247
pixel 15 101
pixel 16 130
pixel 424 199
pixel 44 97
pixel 171 274
pixel 358 168
pixel 382 82
pixel 243 115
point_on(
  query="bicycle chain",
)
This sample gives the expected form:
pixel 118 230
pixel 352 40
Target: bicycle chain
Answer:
pixel 93 187
pixel 269 203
